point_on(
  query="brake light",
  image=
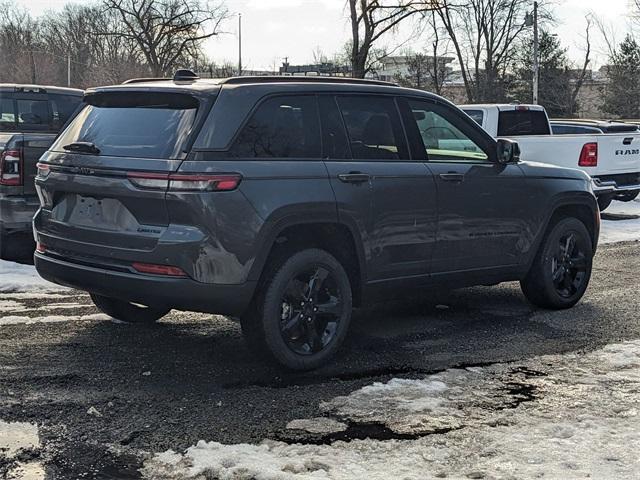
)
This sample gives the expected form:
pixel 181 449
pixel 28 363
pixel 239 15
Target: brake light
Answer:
pixel 41 248
pixel 589 155
pixel 11 168
pixel 181 182
pixel 154 269
pixel 43 169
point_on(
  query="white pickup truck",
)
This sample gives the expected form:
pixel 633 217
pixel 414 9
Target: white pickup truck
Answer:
pixel 611 159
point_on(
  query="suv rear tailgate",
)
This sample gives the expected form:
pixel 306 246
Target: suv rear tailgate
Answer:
pixel 85 186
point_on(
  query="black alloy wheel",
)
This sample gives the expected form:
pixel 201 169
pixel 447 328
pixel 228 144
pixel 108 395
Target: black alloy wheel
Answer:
pixel 312 307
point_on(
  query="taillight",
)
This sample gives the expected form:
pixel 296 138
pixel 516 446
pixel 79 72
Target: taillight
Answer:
pixel 41 247
pixel 154 269
pixel 43 169
pixel 182 182
pixel 589 155
pixel 11 168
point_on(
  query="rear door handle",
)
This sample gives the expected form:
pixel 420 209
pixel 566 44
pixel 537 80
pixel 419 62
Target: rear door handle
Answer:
pixel 452 177
pixel 353 177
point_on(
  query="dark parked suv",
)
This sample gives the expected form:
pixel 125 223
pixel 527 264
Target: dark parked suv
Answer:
pixel 288 201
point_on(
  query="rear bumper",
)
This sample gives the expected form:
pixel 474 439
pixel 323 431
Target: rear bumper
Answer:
pixel 16 213
pixel 155 290
pixel 614 184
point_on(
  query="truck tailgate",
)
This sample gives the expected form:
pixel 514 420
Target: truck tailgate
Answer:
pixel 618 153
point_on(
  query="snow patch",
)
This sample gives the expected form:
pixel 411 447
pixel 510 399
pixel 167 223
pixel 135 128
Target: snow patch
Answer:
pixel 320 425
pixel 16 437
pixel 22 320
pixel 558 416
pixel 613 231
pixel 15 277
pixel 11 306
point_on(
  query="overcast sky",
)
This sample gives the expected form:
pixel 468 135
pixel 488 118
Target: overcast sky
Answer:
pixel 275 29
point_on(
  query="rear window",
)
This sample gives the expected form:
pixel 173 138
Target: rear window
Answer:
pixel 143 125
pixel 36 112
pixel 522 122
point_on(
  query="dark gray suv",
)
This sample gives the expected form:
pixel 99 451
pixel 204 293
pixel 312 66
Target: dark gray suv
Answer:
pixel 286 202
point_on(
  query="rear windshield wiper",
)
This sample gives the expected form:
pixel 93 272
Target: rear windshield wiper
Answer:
pixel 83 147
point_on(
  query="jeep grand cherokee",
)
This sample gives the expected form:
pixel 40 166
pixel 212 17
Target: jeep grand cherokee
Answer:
pixel 286 202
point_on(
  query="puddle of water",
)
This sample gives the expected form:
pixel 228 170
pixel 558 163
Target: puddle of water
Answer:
pixel 16 438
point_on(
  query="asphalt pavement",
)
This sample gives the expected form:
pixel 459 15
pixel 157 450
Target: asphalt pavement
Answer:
pixel 103 394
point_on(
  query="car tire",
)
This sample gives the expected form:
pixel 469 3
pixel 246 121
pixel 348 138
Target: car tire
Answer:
pixel 628 196
pixel 604 201
pixel 127 311
pixel 302 313
pixel 561 270
pixel 17 247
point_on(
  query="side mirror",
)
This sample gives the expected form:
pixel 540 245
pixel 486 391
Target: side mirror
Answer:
pixel 507 151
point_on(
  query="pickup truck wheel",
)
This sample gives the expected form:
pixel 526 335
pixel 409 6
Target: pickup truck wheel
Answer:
pixel 604 201
pixel 561 270
pixel 127 311
pixel 302 315
pixel 17 247
pixel 628 196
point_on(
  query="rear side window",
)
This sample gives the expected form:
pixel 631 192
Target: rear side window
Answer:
pixel 143 125
pixel 62 106
pixel 334 138
pixel 373 126
pixel 476 115
pixel 522 122
pixel 281 127
pixel 7 114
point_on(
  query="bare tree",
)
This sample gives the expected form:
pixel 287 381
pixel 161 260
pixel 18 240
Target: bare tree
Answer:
pixel 483 33
pixel 371 19
pixel 18 43
pixel 167 32
pixel 582 75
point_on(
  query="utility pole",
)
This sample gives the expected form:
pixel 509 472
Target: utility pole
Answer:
pixel 239 44
pixel 68 69
pixel 536 62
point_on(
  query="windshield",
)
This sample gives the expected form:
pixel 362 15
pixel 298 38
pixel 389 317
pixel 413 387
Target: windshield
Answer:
pixel 143 125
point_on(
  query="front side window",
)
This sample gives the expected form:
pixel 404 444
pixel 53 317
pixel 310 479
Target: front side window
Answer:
pixel 441 138
pixel 373 126
pixel 136 124
pixel 281 127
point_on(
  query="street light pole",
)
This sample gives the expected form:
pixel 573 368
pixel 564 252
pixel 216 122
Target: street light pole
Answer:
pixel 536 64
pixel 68 69
pixel 239 44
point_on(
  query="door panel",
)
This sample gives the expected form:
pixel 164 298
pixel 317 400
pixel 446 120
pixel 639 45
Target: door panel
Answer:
pixel 381 192
pixel 394 212
pixel 481 218
pixel 481 204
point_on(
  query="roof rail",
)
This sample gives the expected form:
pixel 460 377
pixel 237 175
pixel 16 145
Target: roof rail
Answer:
pixel 301 79
pixel 143 79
